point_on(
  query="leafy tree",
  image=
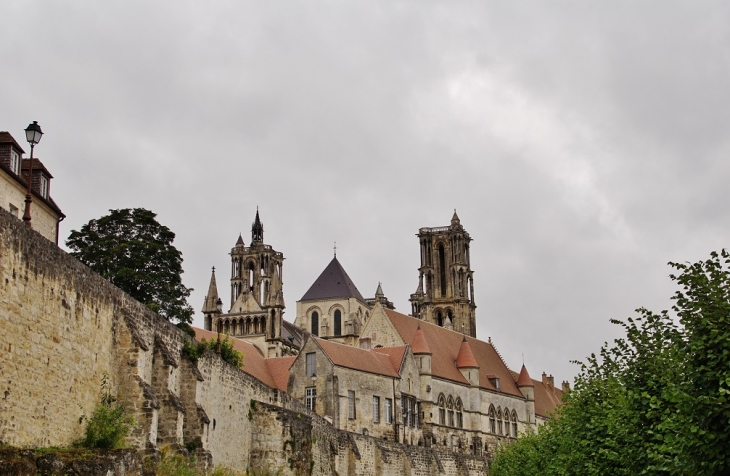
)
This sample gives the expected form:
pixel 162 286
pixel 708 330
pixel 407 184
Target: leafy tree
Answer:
pixel 653 402
pixel 195 350
pixel 135 252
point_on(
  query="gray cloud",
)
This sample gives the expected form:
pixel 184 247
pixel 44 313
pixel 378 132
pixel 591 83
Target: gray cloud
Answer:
pixel 583 145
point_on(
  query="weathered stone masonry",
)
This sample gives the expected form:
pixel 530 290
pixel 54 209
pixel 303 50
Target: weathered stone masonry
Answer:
pixel 64 327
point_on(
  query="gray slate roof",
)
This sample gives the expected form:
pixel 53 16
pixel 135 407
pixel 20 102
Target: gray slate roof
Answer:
pixel 332 283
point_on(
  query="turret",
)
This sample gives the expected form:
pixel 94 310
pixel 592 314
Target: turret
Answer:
pixel 467 364
pixel 421 351
pixel 257 230
pixel 527 387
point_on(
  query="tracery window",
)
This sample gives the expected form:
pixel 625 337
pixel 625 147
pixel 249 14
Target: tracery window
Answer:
pixel 459 414
pixel 506 422
pixel 450 410
pixel 499 421
pixel 492 420
pixel 514 424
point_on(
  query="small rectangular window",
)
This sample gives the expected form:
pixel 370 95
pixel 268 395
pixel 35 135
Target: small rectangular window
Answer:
pixel 13 210
pixel 15 162
pixel 351 404
pixel 388 411
pixel 376 409
pixel 311 398
pixel 311 364
pixel 44 187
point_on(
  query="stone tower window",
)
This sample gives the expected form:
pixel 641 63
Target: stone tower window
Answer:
pixel 315 324
pixel 442 269
pixel 338 322
pixel 351 404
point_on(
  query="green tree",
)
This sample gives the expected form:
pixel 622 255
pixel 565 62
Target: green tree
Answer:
pixel 652 402
pixel 130 248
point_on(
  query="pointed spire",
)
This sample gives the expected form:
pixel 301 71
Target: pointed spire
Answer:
pixel 466 359
pixel 419 344
pixel 257 229
pixel 524 379
pixel 448 324
pixel 455 219
pixel 240 240
pixel 211 299
pixel 379 291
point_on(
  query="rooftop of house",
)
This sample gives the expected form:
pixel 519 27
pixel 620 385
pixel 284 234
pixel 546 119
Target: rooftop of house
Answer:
pixel 380 361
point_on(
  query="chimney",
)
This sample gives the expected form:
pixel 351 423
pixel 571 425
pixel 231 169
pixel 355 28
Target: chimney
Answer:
pixel 544 378
pixel 365 343
pixel 551 381
pixel 566 386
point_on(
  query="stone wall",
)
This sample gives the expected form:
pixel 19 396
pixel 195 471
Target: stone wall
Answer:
pixel 64 328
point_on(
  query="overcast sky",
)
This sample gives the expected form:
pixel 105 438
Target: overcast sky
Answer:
pixel 583 144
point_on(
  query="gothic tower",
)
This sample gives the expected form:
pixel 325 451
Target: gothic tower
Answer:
pixel 257 300
pixel 445 294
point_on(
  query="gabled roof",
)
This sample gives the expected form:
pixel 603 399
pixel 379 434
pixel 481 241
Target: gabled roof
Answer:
pixel 271 372
pixel 7 138
pixel 332 283
pixel 445 345
pixel 377 361
pixel 547 398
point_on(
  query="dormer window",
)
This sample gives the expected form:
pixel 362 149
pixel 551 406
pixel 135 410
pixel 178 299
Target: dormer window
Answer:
pixel 15 162
pixel 44 186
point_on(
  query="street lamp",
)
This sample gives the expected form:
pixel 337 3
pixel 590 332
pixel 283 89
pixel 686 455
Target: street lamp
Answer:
pixel 33 135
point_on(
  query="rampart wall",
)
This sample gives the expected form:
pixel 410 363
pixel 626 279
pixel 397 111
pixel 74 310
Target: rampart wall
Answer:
pixel 64 327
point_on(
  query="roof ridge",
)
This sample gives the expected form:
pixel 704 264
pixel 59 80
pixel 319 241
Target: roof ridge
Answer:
pixel 499 354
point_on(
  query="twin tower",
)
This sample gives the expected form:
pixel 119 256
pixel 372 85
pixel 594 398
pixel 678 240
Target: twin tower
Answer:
pixel 445 293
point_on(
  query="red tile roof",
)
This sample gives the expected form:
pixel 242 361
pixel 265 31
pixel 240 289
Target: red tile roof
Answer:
pixel 419 344
pixel 376 361
pixel 254 363
pixel 466 359
pixel 547 398
pixel 524 379
pixel 279 370
pixel 445 345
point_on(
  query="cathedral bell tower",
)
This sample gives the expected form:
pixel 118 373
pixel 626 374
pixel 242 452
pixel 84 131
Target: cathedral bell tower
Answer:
pixel 445 294
pixel 257 300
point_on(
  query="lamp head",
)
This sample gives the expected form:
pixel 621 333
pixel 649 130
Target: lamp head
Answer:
pixel 33 133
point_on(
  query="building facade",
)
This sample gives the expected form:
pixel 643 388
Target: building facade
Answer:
pixel 45 213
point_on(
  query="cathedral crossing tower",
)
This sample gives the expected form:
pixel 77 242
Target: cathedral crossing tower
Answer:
pixel 445 294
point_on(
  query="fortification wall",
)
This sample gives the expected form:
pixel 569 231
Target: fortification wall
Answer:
pixel 64 327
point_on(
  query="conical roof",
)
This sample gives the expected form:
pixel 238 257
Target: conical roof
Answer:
pixel 524 379
pixel 466 356
pixel 455 219
pixel 239 242
pixel 257 229
pixel 379 291
pixel 332 283
pixel 211 299
pixel 419 344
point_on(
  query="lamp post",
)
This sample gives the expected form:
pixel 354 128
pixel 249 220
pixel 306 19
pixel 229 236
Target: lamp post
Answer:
pixel 33 135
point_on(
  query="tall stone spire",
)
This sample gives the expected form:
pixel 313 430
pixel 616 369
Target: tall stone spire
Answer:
pixel 257 229
pixel 213 304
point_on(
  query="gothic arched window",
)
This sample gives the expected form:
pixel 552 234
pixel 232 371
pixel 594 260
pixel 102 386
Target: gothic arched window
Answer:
pixel 499 421
pixel 442 269
pixel 459 414
pixel 506 422
pixel 439 319
pixel 450 410
pixel 514 424
pixel 314 328
pixel 492 420
pixel 442 409
pixel 338 322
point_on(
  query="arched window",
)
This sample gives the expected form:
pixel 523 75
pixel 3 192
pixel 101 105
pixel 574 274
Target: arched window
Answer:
pixel 442 409
pixel 442 269
pixel 250 275
pixel 315 323
pixel 450 411
pixel 459 414
pixel 248 329
pixel 439 319
pixel 499 421
pixel 262 325
pixel 506 422
pixel 514 424
pixel 338 322
pixel 492 420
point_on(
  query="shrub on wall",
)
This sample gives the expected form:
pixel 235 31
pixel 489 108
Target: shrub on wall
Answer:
pixel 108 426
pixel 194 350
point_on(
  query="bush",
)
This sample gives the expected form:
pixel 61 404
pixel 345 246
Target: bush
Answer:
pixel 194 350
pixel 108 427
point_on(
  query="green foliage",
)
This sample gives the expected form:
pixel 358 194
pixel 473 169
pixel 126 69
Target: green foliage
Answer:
pixel 194 350
pixel 108 427
pixel 133 251
pixel 653 402
pixel 172 464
